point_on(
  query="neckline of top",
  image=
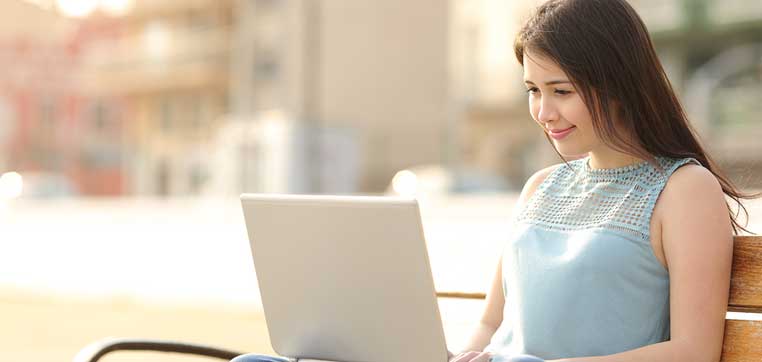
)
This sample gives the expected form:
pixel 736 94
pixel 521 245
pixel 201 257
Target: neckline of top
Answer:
pixel 616 171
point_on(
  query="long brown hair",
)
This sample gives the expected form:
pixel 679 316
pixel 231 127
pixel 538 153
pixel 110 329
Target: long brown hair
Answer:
pixel 604 48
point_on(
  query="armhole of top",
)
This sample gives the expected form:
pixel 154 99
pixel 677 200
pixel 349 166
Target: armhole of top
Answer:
pixel 661 186
pixel 676 166
pixel 557 168
pixel 668 172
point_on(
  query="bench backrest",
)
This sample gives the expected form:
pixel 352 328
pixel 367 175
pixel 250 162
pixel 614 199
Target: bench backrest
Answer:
pixel 743 338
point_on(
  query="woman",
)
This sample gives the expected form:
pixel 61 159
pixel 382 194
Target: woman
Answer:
pixel 623 251
pixel 623 254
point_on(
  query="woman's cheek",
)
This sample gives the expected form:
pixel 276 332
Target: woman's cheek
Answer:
pixel 533 109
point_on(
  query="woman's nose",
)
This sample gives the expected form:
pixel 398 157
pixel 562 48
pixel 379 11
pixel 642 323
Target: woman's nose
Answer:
pixel 548 112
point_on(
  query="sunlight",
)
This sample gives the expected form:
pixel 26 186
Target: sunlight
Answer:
pixel 405 183
pixel 11 185
pixel 77 8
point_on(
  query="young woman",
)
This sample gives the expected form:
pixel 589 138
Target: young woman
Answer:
pixel 623 254
pixel 623 251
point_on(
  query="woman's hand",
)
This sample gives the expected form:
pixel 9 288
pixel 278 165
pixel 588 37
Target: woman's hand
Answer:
pixel 471 356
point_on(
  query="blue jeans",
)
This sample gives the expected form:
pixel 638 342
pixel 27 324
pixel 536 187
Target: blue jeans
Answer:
pixel 517 358
pixel 261 358
pixel 258 358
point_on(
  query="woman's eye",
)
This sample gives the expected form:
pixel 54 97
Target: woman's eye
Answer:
pixel 532 90
pixel 562 92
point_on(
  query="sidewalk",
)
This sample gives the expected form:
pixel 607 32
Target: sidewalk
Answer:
pixel 70 324
pixel 39 328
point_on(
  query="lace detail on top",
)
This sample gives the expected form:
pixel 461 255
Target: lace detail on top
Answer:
pixel 618 199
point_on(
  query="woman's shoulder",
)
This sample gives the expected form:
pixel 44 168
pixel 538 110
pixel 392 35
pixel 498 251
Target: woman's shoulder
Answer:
pixel 691 181
pixel 692 191
pixel 536 180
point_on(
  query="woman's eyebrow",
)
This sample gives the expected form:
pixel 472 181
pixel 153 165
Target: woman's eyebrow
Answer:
pixel 552 82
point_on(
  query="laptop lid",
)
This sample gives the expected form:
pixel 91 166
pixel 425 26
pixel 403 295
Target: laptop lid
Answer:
pixel 345 278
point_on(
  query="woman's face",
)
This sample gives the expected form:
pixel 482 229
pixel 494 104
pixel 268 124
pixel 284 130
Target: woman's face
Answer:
pixel 557 107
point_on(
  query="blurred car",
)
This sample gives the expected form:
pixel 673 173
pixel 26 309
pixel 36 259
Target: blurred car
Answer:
pixel 36 185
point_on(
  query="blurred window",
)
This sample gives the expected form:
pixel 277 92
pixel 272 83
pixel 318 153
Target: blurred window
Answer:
pixel 197 177
pixel 163 178
pixel 102 157
pixel 166 113
pixel 737 101
pixel 47 108
pixel 194 120
pixel 100 117
pixel 265 69
pixel 249 170
pixel 7 121
pixel 198 20
pixel 268 4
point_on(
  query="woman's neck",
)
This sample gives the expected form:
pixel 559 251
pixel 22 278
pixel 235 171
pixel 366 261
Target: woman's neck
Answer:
pixel 611 159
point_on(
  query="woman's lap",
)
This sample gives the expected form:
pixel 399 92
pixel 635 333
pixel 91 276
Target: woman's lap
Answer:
pixel 518 358
pixel 263 358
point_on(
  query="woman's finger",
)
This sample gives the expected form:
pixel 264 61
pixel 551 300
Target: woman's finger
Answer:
pixel 465 356
pixel 482 357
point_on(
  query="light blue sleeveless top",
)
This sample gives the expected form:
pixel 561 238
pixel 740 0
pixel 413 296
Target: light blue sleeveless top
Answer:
pixel 579 274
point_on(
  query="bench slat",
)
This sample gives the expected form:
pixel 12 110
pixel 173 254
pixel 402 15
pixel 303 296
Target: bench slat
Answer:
pixel 462 295
pixel 746 278
pixel 742 341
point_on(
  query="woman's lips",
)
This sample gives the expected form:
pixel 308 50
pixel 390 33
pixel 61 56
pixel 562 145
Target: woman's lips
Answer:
pixel 559 134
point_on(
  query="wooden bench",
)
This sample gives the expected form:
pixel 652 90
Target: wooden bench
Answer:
pixel 742 343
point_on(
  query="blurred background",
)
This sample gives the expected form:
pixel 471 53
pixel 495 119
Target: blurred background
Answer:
pixel 129 127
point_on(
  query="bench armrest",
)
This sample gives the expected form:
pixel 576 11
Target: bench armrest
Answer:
pixel 94 351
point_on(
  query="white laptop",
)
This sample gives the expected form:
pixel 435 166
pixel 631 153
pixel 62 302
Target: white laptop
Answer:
pixel 344 278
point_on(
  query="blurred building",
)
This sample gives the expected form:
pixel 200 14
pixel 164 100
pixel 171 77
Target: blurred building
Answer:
pixel 171 97
pixel 49 127
pixel 168 65
pixel 147 93
pixel 381 67
pixel 377 68
pixel 188 70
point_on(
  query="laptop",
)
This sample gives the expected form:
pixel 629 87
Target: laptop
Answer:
pixel 344 278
